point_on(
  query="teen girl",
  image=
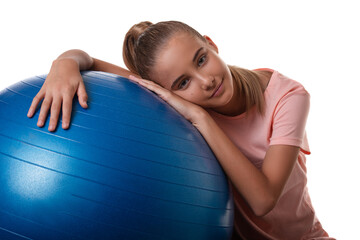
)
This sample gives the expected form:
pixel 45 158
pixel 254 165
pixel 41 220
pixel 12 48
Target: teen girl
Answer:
pixel 254 121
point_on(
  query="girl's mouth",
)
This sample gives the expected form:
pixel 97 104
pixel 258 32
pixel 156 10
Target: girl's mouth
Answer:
pixel 217 90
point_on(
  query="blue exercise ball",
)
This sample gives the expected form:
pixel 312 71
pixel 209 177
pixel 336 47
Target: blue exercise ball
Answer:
pixel 129 167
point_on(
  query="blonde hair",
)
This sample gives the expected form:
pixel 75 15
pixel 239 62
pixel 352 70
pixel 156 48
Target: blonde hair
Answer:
pixel 144 40
pixel 249 85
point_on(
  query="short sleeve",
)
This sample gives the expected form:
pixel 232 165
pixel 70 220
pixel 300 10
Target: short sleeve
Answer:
pixel 289 119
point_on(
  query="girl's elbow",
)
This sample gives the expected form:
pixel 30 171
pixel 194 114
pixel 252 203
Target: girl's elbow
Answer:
pixel 264 207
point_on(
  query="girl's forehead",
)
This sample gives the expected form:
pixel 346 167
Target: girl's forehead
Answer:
pixel 183 40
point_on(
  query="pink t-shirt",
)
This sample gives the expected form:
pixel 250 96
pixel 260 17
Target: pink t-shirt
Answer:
pixel 287 107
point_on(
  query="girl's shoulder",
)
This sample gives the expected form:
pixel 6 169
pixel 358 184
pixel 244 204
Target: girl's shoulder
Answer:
pixel 280 85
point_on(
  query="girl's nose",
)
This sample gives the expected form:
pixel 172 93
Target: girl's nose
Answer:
pixel 207 82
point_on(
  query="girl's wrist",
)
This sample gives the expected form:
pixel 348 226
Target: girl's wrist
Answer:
pixel 65 68
pixel 200 118
pixel 65 64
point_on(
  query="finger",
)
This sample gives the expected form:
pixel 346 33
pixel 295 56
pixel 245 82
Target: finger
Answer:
pixel 162 92
pixel 82 95
pixel 66 111
pixel 152 86
pixel 179 104
pixel 133 78
pixel 54 114
pixel 35 102
pixel 44 111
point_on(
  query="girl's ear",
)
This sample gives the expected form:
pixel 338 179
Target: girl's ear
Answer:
pixel 211 43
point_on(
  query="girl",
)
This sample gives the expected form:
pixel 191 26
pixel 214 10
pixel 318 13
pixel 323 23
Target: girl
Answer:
pixel 254 121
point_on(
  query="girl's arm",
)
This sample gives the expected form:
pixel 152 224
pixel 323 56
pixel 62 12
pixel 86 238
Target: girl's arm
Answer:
pixel 260 188
pixel 63 81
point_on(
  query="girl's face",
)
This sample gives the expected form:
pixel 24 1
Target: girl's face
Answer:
pixel 192 69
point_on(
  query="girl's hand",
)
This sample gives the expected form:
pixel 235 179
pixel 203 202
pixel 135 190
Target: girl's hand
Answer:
pixel 190 111
pixel 58 90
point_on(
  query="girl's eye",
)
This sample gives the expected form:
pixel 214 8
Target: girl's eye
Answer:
pixel 183 83
pixel 202 60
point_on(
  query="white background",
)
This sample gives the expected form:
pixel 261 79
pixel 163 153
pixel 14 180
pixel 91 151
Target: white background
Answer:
pixel 314 42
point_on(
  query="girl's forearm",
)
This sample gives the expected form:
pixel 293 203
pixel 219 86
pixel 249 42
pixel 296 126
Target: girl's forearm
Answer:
pixel 251 183
pixel 80 60
pixel 99 65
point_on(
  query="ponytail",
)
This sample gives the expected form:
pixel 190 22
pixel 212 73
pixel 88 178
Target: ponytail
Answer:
pixel 249 85
pixel 130 42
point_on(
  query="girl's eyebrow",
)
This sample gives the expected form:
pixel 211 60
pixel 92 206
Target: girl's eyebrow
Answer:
pixel 176 81
pixel 194 60
pixel 197 53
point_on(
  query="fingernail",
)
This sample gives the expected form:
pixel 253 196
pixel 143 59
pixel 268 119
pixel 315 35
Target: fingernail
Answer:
pixel 29 114
pixel 51 127
pixel 40 123
pixel 65 125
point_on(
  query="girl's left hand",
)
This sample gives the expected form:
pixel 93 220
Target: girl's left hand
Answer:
pixel 190 111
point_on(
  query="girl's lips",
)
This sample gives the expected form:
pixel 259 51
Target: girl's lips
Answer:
pixel 217 90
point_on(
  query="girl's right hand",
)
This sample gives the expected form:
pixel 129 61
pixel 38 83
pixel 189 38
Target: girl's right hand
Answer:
pixel 57 92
